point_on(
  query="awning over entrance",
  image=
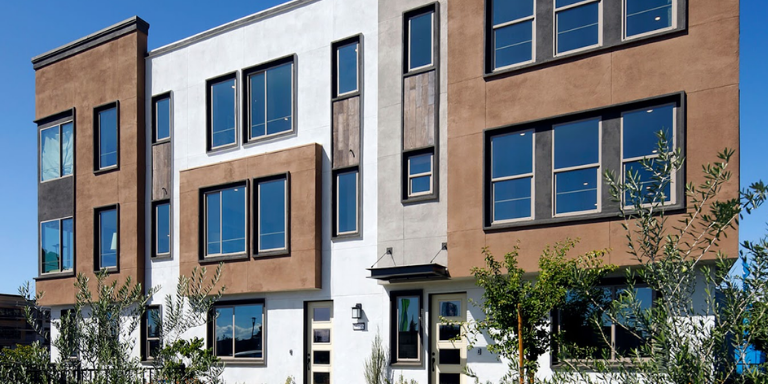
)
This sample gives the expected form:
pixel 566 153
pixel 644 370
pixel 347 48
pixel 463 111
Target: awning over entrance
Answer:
pixel 410 273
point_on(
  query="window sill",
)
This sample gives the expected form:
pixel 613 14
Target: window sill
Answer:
pixel 405 364
pixel 162 141
pixel 260 139
pixel 106 170
pixel 347 236
pixel 242 362
pixel 56 179
pixel 345 96
pixel 433 197
pixel 270 254
pixel 222 148
pixel 162 257
pixel 108 270
pixel 55 275
pixel 217 259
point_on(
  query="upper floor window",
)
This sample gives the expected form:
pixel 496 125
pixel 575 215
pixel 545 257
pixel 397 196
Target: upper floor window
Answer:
pixel 643 17
pixel 106 133
pixel 420 170
pixel 513 32
pixel 161 118
pixel 272 214
pixel 238 330
pixel 270 99
pixel 107 241
pixel 161 229
pixel 512 176
pixel 578 24
pixel 57 243
pixel 56 151
pixel 420 39
pixel 225 221
pixel 347 202
pixel 222 111
pixel 577 167
pixel 347 62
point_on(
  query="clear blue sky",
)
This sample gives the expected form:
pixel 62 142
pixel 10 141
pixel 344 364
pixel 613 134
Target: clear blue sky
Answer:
pixel 29 28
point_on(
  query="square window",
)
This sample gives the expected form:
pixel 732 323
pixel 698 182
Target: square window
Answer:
pixel 56 151
pixel 346 63
pixel 642 17
pixel 161 118
pixel 222 112
pixel 161 225
pixel 347 201
pixel 108 242
pixel 406 323
pixel 225 221
pixel 420 168
pixel 512 176
pixel 420 39
pixel 238 331
pixel 513 32
pixel 272 214
pixel 577 24
pixel 270 99
pixel 57 243
pixel 576 169
pixel 106 136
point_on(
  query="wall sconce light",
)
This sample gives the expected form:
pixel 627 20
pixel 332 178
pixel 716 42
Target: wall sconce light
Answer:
pixel 357 311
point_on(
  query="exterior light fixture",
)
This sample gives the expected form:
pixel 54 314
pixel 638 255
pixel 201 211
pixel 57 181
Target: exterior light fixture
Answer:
pixel 357 311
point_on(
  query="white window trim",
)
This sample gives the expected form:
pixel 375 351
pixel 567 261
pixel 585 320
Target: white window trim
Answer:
pixel 506 24
pixel 530 175
pixel 412 176
pixel 234 128
pixel 357 69
pixel 263 332
pixel 157 234
pixel 597 165
pixel 221 221
pixel 61 162
pixel 60 247
pixel 252 138
pixel 431 13
pixel 357 202
pixel 285 213
pixel 600 24
pixel 117 133
pixel 624 36
pixel 397 331
pixel 157 122
pixel 673 145
pixel 117 239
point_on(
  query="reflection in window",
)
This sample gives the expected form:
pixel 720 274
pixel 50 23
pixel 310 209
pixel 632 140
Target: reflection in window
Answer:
pixel 271 101
pixel 408 328
pixel 239 332
pixel 162 118
pixel 272 211
pixel 513 23
pixel 346 202
pixel 107 133
pixel 57 245
pixel 347 68
pixel 56 155
pixel 578 24
pixel 162 229
pixel 640 139
pixel 577 165
pixel 108 238
pixel 644 16
pixel 419 174
pixel 512 176
pixel 420 36
pixel 152 332
pixel 223 113
pixel 225 216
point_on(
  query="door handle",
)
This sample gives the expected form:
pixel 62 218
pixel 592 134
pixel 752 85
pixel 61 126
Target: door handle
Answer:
pixel 433 361
pixel 309 362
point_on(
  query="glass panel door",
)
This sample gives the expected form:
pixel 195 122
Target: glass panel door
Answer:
pixel 320 343
pixel 449 348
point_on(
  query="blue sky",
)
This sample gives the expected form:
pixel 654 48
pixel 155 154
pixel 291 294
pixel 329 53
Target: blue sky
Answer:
pixel 29 28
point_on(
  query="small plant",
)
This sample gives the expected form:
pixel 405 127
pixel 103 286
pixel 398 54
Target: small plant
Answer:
pixel 376 371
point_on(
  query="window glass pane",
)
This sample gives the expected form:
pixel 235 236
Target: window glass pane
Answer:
pixel 578 326
pixel 647 15
pixel 49 155
pixel 272 214
pixel 513 44
pixel 450 378
pixel 450 308
pixel 279 99
pixel 408 312
pixel 347 202
pixel 578 27
pixel 223 113
pixel 647 185
pixel 321 314
pixel 163 118
pixel 628 325
pixel 108 238
pixel 233 220
pixel 49 236
pixel 67 148
pixel 108 138
pixel 213 222
pixel 153 326
pixel 420 36
pixel 577 144
pixel 258 103
pixel 248 331
pixel 347 71
pixel 421 184
pixel 67 244
pixel 512 154
pixel 512 199
pixel 420 164
pixel 449 331
pixel 641 128
pixel 321 378
pixel 508 10
pixel 224 331
pixel 449 356
pixel 321 357
pixel 163 227
pixel 321 336
pixel 576 190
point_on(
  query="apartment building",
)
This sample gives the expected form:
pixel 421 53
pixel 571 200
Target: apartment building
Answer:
pixel 346 161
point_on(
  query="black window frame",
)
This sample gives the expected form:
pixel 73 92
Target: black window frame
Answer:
pixel 76 347
pixel 432 8
pixel 97 169
pixel 335 203
pixel 246 99
pixel 407 197
pixel 393 322
pixel 146 354
pixel 58 124
pixel 211 330
pixel 286 176
pixel 154 252
pixel 202 223
pixel 97 239
pixel 209 113
pixel 61 238
pixel 335 46
pixel 155 99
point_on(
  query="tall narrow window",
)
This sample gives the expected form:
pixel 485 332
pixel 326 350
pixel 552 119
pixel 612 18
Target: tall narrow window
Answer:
pixel 420 39
pixel 108 242
pixel 151 332
pixel 642 17
pixel 347 202
pixel 577 167
pixel 347 61
pixel 420 170
pixel 107 137
pixel 640 130
pixel 222 112
pixel 577 24
pixel 512 176
pixel 270 99
pixel 513 32
pixel 225 221
pixel 161 119
pixel 161 229
pixel 57 245
pixel 272 214
pixel 406 323
pixel 238 331
pixel 56 151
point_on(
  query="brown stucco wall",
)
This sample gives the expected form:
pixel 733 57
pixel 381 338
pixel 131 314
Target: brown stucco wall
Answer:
pixel 113 71
pixel 702 61
pixel 301 268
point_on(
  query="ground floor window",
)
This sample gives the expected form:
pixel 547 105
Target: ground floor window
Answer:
pixel 238 330
pixel 406 324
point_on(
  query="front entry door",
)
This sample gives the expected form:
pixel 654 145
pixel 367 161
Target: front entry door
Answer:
pixel 448 356
pixel 320 342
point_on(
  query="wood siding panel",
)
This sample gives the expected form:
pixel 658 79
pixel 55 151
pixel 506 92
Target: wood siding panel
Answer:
pixel 161 171
pixel 346 132
pixel 419 111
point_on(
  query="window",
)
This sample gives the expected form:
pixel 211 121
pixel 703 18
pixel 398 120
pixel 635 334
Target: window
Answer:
pixel 67 332
pixel 513 32
pixel 56 151
pixel 57 243
pixel 161 118
pixel 225 221
pixel 577 167
pixel 108 242
pixel 222 112
pixel 512 176
pixel 161 229
pixel 420 168
pixel 640 141
pixel 642 17
pixel 238 331
pixel 347 201
pixel 346 63
pixel 406 320
pixel 272 214
pixel 106 135
pixel 270 99
pixel 420 39
pixel 151 332
pixel 577 23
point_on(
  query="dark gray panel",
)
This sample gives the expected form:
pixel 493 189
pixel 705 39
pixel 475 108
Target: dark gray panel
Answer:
pixel 612 23
pixel 545 27
pixel 56 198
pixel 543 176
pixel 611 160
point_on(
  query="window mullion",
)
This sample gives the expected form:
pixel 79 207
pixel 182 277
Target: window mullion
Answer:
pixel 576 5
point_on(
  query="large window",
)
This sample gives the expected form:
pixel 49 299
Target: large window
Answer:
pixel 161 229
pixel 347 201
pixel 406 327
pixel 577 167
pixel 643 17
pixel 238 330
pixel 420 171
pixel 578 24
pixel 56 151
pixel 161 118
pixel 346 67
pixel 225 221
pixel 512 176
pixel 106 134
pixel 151 332
pixel 57 243
pixel 270 99
pixel 107 239
pixel 420 36
pixel 272 214
pixel 513 32
pixel 222 112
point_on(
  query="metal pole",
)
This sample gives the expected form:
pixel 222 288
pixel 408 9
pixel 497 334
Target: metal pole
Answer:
pixel 520 339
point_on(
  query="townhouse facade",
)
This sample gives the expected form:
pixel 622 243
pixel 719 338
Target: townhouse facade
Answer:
pixel 347 161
